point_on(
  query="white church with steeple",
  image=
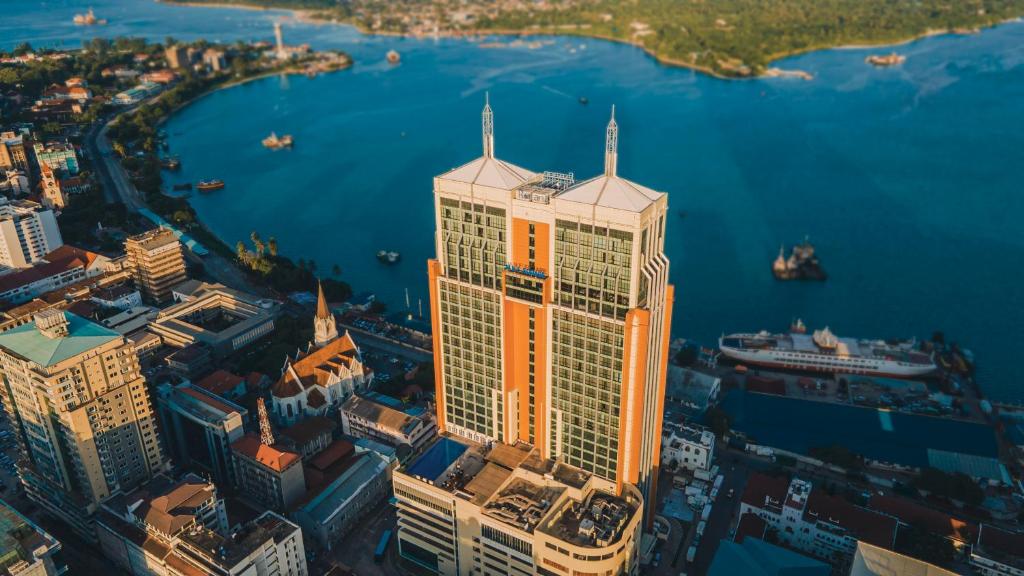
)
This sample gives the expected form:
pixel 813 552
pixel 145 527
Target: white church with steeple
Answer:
pixel 317 381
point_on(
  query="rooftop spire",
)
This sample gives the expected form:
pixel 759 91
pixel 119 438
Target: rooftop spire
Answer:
pixel 321 302
pixel 611 146
pixel 488 126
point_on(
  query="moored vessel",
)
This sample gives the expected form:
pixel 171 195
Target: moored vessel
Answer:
pixel 388 257
pixel 394 57
pixel 825 352
pixel 88 19
pixel 210 185
pixel 892 59
pixel 274 142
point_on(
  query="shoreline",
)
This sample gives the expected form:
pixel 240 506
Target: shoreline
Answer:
pixel 771 70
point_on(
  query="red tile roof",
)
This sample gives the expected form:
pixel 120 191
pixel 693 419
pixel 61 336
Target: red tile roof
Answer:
pixel 308 429
pixel 220 382
pixel 335 452
pixel 910 512
pixel 270 456
pixel 750 525
pixel 867 525
pixel 208 399
pixel 761 486
pixel 315 367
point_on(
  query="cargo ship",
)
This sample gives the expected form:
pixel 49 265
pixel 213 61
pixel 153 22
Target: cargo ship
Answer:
pixel 210 185
pixel 823 351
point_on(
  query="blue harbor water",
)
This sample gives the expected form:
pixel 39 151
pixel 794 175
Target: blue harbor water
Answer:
pixel 906 179
pixel 798 425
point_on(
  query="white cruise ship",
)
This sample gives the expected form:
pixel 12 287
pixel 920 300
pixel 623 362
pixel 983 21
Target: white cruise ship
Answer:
pixel 824 352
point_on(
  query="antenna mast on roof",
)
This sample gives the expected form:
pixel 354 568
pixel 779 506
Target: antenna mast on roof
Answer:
pixel 488 126
pixel 611 146
pixel 266 434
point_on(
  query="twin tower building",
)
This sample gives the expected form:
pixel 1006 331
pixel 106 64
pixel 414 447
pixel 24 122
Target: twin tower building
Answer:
pixel 551 311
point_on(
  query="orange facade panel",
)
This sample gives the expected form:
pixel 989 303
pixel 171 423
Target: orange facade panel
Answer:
pixel 433 274
pixel 634 375
pixel 516 336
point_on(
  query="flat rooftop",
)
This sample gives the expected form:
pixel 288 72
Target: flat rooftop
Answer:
pixel 514 485
pixel 597 521
pixel 227 552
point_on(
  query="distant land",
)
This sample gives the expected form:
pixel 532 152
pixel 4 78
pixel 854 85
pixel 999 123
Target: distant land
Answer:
pixel 725 38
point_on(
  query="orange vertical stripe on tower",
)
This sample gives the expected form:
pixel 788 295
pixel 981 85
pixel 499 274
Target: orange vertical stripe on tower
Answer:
pixel 634 375
pixel 433 273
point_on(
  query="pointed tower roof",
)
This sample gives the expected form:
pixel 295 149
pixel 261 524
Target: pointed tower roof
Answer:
pixel 609 190
pixel 322 311
pixel 488 170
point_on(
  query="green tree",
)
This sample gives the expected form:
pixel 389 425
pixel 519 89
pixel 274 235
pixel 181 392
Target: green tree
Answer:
pixel 272 246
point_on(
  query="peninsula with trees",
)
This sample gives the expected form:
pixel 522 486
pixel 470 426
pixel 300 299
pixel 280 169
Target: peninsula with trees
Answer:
pixel 726 38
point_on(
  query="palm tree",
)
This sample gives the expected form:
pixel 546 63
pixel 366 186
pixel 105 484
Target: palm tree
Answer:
pixel 241 251
pixel 272 246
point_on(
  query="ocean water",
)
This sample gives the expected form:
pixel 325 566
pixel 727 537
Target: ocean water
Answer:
pixel 908 180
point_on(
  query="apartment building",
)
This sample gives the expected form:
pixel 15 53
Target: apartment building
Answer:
pixel 157 263
pixel 83 417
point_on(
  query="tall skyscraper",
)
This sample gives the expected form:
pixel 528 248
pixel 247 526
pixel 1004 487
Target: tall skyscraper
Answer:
pixel 551 311
pixel 74 394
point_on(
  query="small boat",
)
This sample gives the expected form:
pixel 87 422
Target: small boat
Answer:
pixel 893 59
pixel 393 57
pixel 388 257
pixel 682 214
pixel 88 19
pixel 275 143
pixel 170 164
pixel 181 187
pixel 584 100
pixel 210 185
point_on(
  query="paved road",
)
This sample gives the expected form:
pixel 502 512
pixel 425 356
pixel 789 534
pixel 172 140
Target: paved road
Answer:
pixel 117 187
pixel 356 549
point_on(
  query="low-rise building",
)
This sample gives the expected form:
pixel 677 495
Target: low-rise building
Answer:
pixel 57 155
pixel 224 384
pixel 25 548
pixel 343 484
pixel 12 151
pixel 467 509
pixel 224 319
pixel 199 428
pixel 58 269
pixel 308 437
pixel 811 521
pixel 267 545
pixel 687 447
pixel 120 296
pixel 998 552
pixel 362 417
pixel 267 473
pixel 192 362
